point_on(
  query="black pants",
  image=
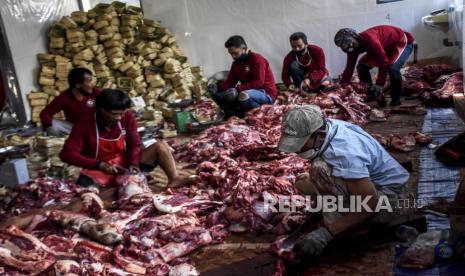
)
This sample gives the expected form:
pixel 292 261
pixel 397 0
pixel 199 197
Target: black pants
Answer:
pixel 229 107
pixel 395 78
pixel 394 73
pixel 297 73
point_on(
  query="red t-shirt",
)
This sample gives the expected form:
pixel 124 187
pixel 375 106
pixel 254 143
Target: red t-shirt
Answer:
pixel 253 73
pixel 316 68
pixel 73 108
pixel 380 43
pixel 81 146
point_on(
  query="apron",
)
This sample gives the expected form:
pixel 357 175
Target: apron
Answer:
pixel 111 151
pixel 393 55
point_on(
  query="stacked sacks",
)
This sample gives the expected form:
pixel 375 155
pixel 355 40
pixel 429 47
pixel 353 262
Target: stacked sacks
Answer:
pixel 123 50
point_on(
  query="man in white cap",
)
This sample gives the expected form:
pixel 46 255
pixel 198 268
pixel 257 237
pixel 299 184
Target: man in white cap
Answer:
pixel 345 161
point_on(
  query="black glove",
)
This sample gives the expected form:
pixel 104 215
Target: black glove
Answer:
pixel 313 243
pixel 377 93
pixel 231 94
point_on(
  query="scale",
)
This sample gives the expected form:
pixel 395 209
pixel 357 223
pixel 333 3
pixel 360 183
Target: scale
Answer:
pixel 185 121
pixel 13 165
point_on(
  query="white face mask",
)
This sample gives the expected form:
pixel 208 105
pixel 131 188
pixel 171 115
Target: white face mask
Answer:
pixel 309 154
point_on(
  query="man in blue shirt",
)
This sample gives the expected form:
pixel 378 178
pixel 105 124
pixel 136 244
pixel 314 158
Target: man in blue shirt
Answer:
pixel 346 161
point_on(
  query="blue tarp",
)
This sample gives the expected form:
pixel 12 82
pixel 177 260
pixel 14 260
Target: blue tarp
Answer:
pixel 437 181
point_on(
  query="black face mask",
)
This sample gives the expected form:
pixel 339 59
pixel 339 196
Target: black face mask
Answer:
pixel 300 52
pixel 84 92
pixel 242 57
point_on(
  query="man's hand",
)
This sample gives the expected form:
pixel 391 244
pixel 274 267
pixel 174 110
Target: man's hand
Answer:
pixel 376 91
pixel 313 243
pixel 134 169
pixel 305 83
pixel 51 131
pixel 111 168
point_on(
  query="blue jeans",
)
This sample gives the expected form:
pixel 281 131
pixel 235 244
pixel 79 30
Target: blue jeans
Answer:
pixel 394 72
pixel 228 103
pixel 254 98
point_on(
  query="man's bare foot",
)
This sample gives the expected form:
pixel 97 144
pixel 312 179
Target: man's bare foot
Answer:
pixel 181 181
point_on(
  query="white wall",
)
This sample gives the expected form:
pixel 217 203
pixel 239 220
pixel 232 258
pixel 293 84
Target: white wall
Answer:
pixel 202 26
pixel 27 23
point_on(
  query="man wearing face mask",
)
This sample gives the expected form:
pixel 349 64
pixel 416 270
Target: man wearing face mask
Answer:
pixel 386 47
pixel 345 161
pixel 76 101
pixel 105 143
pixel 250 82
pixel 304 64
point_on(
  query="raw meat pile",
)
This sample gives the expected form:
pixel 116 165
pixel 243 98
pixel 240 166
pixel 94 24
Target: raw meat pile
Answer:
pixel 228 156
pixel 39 193
pixel 204 109
pixel 434 84
pixel 343 103
pixel 146 234
pixel 403 143
pixel 444 95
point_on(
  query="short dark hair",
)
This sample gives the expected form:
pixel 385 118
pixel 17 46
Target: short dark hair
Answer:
pixel 297 36
pixel 236 41
pixel 76 76
pixel 113 99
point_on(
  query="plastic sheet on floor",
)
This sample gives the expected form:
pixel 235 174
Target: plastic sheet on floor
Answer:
pixel 436 180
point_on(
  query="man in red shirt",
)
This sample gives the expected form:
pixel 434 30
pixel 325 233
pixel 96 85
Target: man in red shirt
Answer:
pixel 386 47
pixel 105 142
pixel 250 82
pixel 304 64
pixel 76 101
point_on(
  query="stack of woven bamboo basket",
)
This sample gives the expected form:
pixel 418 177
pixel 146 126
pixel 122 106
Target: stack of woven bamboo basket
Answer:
pixel 124 50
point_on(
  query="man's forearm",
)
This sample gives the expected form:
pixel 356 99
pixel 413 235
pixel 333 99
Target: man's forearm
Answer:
pixel 357 187
pixel 348 222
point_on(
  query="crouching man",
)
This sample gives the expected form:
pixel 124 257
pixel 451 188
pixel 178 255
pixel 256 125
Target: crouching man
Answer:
pixel 345 161
pixel 76 101
pixel 250 82
pixel 305 66
pixel 105 143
